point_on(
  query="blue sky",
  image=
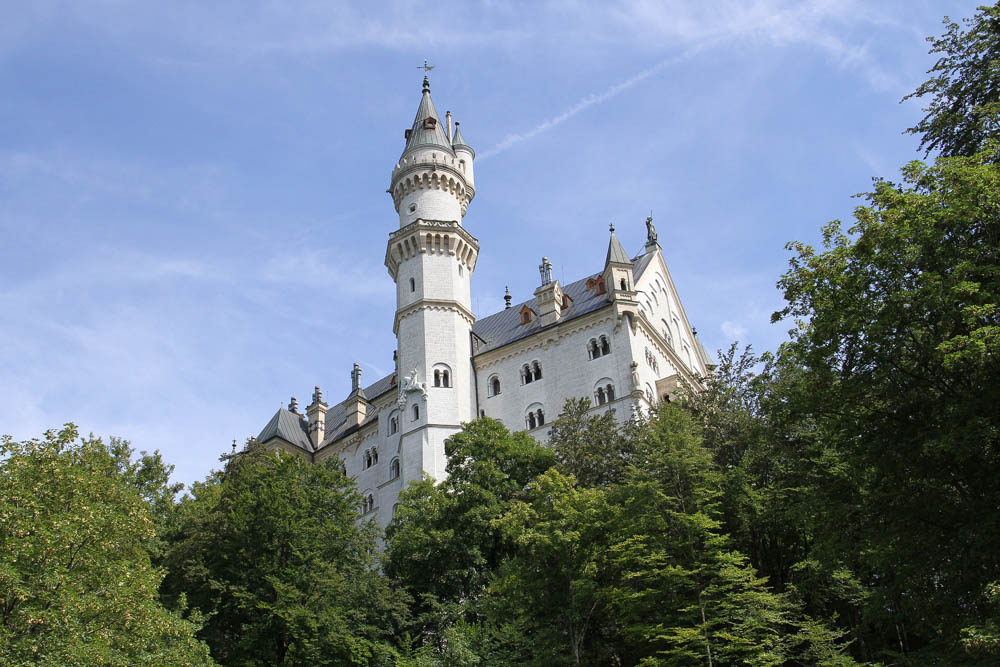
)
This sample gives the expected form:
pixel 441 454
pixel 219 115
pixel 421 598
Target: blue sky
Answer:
pixel 193 212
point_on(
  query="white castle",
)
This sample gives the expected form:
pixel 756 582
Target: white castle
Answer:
pixel 619 336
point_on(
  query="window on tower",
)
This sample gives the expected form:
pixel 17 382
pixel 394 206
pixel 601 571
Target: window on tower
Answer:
pixel 442 375
pixel 413 285
pixel 494 385
pixel 394 469
pixel 416 412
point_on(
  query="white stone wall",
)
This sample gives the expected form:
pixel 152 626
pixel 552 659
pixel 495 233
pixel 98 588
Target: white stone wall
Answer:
pixel 567 372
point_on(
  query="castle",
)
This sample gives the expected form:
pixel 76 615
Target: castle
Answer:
pixel 618 336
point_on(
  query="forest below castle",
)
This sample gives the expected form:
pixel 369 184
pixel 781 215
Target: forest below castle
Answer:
pixel 832 502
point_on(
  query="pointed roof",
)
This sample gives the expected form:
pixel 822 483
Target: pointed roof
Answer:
pixel 427 134
pixel 458 139
pixel 289 427
pixel 616 253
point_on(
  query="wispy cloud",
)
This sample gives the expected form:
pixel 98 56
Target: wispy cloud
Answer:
pixel 516 138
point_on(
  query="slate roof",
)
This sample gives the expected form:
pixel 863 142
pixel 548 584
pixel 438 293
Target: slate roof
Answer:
pixel 289 427
pixel 293 428
pixel 505 327
pixel 616 253
pixel 458 139
pixel 419 135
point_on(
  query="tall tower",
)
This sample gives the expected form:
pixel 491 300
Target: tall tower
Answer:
pixel 431 258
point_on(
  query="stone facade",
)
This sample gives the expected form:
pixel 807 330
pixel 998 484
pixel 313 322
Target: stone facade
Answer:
pixel 619 337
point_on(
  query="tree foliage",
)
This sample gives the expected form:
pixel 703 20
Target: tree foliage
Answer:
pixel 270 550
pixel 897 338
pixel 964 111
pixel 77 585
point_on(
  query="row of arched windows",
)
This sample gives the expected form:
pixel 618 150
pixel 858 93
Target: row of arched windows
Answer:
pixel 371 457
pixel 605 394
pixel 598 347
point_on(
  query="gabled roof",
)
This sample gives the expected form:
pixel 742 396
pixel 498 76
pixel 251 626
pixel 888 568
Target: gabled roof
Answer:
pixel 288 426
pixel 616 253
pixel 420 134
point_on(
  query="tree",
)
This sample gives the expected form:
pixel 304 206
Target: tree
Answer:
pixel 592 448
pixel 964 111
pixel 684 596
pixel 556 582
pixel 442 546
pixel 897 340
pixel 76 582
pixel 270 550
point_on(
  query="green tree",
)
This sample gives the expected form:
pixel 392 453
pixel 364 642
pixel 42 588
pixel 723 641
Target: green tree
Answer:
pixel 76 582
pixel 592 448
pixel 557 583
pixel 964 111
pixel 897 342
pixel 271 551
pixel 443 546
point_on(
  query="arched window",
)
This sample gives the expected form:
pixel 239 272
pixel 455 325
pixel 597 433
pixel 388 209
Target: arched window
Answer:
pixel 393 424
pixel 534 416
pixel 624 284
pixel 394 469
pixel 604 391
pixel 650 396
pixel 493 385
pixel 536 370
pixel 368 459
pixel 442 375
pixel 605 345
pixel 593 351
pixel 665 330
pixel 416 412
pixel 374 455
pixel 525 374
pixel 413 285
pixel 367 503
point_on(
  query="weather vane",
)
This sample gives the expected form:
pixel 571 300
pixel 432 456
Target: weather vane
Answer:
pixel 425 66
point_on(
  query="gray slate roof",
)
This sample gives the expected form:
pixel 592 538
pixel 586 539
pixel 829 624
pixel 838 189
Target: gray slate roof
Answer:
pixel 293 428
pixel 419 136
pixel 458 139
pixel 505 327
pixel 616 253
pixel 289 427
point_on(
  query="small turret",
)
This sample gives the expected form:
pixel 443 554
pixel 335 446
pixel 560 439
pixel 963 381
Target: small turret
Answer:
pixel 549 296
pixel 618 278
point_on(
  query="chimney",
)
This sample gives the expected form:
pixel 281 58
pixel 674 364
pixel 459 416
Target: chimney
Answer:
pixel 357 402
pixel 317 418
pixel 447 122
pixel 549 296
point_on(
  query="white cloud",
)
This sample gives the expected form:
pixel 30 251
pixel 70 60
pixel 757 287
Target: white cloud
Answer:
pixel 732 330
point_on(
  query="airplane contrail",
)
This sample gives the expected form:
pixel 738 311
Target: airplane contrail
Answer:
pixel 595 98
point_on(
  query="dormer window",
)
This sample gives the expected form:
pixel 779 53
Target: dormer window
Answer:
pixel 430 123
pixel 597 284
pixel 526 315
pixel 407 134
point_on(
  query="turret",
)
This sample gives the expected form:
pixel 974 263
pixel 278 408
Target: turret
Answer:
pixel 549 296
pixel 433 178
pixel 618 278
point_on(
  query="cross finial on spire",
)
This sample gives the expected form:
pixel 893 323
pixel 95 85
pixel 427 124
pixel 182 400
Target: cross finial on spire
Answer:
pixel 427 68
pixel 612 227
pixel 506 296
